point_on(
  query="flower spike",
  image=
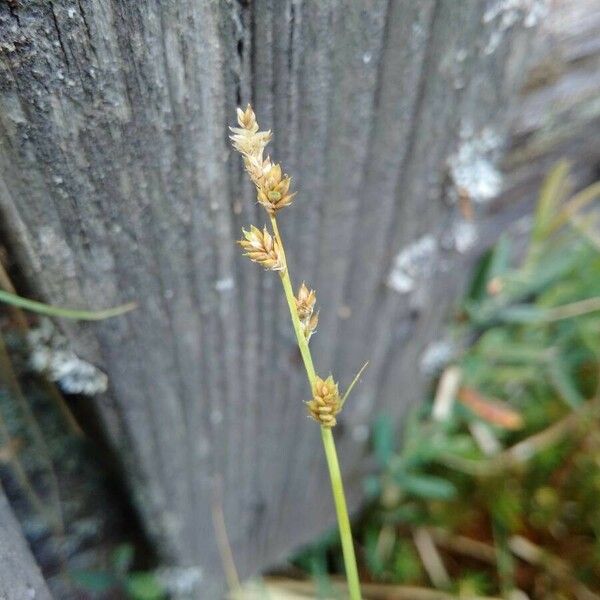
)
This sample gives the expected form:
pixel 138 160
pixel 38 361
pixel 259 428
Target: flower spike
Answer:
pixel 262 248
pixel 272 185
pixel 326 403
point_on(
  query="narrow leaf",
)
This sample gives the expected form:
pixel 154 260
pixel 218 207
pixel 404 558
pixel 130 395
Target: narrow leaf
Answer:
pixel 66 313
pixel 426 486
pixel 563 383
pixel 553 190
pixel 575 204
pixel 354 381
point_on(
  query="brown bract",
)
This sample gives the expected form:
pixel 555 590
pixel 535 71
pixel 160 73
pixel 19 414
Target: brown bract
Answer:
pixel 247 118
pixel 262 248
pixel 305 305
pixel 326 402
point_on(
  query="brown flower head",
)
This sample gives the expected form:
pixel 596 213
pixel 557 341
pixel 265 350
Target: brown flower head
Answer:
pixel 262 248
pixel 274 188
pixel 326 402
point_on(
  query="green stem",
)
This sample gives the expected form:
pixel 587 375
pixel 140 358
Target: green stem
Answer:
pixel 335 475
pixel 291 300
pixel 339 499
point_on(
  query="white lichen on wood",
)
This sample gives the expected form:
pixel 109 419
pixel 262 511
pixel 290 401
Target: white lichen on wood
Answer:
pixel 51 356
pixel 462 236
pixel 436 356
pixel 504 14
pixel 225 284
pixel 181 582
pixel 473 165
pixel 415 261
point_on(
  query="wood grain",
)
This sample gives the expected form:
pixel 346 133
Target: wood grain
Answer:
pixel 20 575
pixel 117 183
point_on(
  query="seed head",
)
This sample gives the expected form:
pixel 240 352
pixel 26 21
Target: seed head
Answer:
pixel 251 146
pixel 262 248
pixel 326 402
pixel 305 305
pixel 250 142
pixel 273 188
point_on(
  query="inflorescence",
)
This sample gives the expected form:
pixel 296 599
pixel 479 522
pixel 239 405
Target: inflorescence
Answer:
pixel 266 248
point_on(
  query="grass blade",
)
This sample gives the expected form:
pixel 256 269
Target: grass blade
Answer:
pixel 65 313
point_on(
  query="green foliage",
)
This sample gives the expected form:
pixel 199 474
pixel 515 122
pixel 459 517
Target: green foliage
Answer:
pixel 143 586
pixel 133 585
pixel 94 581
pixel 507 484
pixel 405 562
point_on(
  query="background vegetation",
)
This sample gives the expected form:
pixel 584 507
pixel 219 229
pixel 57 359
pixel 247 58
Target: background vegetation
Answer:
pixel 493 488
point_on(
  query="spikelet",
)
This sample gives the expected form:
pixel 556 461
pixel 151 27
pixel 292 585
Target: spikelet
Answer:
pixel 272 185
pixel 305 302
pixel 273 188
pixel 310 326
pixel 250 143
pixel 326 402
pixel 305 305
pixel 247 119
pixel 262 248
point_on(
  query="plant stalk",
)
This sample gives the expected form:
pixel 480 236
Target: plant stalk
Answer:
pixel 335 475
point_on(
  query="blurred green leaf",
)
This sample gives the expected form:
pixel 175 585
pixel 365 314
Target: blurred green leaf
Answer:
pixel 122 558
pixel 144 586
pixel 493 264
pixel 383 439
pixel 372 557
pixel 564 383
pixel 408 513
pixel 372 487
pixel 518 288
pixel 94 581
pixel 523 314
pixel 553 192
pixel 406 563
pixel 473 583
pixel 500 258
pixel 426 486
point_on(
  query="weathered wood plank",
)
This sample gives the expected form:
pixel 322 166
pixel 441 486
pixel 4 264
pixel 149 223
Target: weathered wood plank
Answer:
pixel 20 576
pixel 117 183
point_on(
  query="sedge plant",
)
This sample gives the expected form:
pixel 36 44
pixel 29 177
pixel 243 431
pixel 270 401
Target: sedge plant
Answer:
pixel 266 248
